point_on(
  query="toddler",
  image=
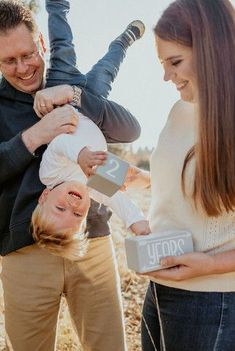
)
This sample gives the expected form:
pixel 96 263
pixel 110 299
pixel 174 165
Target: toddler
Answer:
pixel 58 219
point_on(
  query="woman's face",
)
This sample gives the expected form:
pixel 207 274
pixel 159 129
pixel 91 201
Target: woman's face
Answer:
pixel 177 61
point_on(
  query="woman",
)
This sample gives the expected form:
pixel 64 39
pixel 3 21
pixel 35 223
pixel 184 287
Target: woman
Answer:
pixel 192 306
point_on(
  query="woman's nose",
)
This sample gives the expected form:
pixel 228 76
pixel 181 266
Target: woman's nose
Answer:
pixel 169 72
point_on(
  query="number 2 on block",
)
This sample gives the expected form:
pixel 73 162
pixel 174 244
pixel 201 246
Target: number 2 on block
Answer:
pixel 115 165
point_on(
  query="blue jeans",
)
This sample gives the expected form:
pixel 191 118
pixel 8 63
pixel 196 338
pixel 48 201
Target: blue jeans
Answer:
pixel 63 68
pixel 191 321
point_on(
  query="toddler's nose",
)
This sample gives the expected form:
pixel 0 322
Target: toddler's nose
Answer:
pixel 74 200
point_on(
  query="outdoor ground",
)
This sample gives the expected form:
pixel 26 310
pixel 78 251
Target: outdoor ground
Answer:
pixel 133 290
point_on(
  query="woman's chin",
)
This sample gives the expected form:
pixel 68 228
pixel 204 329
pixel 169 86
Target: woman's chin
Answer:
pixel 187 98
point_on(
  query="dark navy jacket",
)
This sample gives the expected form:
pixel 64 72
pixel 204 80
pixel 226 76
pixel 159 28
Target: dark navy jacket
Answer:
pixel 20 186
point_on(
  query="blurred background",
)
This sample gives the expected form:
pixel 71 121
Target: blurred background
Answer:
pixel 139 85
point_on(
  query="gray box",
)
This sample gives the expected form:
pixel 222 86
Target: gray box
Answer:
pixel 109 177
pixel 144 252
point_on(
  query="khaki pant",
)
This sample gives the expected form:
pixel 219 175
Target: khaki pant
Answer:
pixel 33 283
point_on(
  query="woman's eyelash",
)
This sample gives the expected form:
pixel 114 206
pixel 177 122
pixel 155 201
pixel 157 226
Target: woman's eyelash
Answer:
pixel 176 62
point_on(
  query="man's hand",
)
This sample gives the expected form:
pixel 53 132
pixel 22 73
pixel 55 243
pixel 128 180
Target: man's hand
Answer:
pixel 88 160
pixel 61 120
pixel 140 228
pixel 45 100
pixel 186 266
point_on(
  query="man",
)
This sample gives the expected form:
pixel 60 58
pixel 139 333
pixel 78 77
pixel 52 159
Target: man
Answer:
pixel 39 278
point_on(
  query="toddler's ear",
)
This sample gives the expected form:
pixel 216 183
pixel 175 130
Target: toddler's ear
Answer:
pixel 43 196
pixel 42 44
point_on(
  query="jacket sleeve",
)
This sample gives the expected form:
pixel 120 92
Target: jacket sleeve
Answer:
pixel 117 124
pixel 14 157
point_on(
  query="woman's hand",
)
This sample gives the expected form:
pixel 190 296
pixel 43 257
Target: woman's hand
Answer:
pixel 88 160
pixel 45 100
pixel 186 266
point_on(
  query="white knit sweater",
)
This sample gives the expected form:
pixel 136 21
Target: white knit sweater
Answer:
pixel 171 210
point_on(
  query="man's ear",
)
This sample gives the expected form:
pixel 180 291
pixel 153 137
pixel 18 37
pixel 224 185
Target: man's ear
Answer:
pixel 43 196
pixel 42 44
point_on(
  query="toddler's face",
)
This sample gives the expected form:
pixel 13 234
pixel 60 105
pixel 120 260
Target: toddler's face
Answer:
pixel 66 205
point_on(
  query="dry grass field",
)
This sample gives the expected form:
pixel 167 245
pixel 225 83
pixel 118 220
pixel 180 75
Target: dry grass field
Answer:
pixel 133 290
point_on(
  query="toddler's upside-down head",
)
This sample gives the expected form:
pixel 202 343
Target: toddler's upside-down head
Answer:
pixel 58 218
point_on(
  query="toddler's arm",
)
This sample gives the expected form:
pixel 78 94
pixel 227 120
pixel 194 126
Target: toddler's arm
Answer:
pixel 59 164
pixel 117 124
pixel 125 208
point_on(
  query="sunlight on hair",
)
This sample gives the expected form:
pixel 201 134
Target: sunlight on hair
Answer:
pixel 69 243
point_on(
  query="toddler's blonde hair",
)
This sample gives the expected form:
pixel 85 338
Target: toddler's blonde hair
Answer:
pixel 66 243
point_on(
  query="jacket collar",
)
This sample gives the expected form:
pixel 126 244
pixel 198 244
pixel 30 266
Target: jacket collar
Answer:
pixel 9 92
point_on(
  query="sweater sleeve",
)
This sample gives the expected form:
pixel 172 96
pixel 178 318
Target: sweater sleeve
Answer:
pixel 117 124
pixel 60 160
pixel 59 164
pixel 14 157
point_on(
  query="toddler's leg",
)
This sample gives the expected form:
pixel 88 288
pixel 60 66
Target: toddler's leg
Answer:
pixel 62 54
pixel 101 76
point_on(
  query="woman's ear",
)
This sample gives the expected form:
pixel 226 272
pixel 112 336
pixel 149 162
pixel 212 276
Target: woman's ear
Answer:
pixel 43 196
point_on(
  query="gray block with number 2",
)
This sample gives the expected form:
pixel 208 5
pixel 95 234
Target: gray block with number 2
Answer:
pixel 109 177
pixel 144 252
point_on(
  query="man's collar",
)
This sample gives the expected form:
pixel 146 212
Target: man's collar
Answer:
pixel 9 92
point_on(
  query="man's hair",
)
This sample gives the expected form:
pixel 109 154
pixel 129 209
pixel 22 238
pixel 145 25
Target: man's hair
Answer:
pixel 63 243
pixel 14 13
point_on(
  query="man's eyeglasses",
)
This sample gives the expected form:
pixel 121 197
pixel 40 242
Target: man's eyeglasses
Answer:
pixel 25 59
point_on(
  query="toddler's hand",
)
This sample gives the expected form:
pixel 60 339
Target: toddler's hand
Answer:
pixel 88 160
pixel 141 228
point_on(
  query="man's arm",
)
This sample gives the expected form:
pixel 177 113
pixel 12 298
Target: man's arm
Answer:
pixel 14 157
pixel 18 152
pixel 117 124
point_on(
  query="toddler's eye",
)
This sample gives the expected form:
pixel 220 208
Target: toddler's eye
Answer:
pixel 77 214
pixel 61 209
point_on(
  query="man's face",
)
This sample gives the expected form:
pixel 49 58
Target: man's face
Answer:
pixel 21 62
